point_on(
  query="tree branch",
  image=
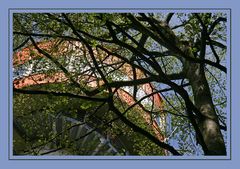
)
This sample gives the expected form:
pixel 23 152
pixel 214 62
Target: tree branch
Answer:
pixel 169 17
pixel 217 21
pixel 40 92
pixel 45 35
pixel 174 48
pixel 21 45
pixel 142 131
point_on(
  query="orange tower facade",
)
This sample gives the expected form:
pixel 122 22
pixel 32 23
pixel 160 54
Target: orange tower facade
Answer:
pixel 30 53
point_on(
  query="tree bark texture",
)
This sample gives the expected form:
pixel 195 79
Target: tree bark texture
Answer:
pixel 208 122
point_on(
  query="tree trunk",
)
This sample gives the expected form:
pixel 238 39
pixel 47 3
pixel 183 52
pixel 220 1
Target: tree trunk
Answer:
pixel 209 124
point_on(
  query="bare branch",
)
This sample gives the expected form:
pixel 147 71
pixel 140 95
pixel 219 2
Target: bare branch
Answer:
pixel 40 92
pixel 142 131
pixel 169 17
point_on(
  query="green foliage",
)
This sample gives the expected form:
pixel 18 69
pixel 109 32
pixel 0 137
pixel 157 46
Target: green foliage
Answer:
pixel 118 34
